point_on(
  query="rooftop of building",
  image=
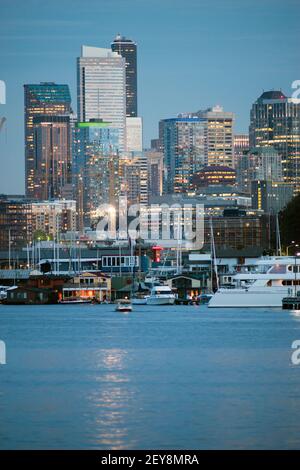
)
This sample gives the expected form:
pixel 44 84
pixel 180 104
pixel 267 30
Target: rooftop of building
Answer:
pixel 122 39
pixel 272 95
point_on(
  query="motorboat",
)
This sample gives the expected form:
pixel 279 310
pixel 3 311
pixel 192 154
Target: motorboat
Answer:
pixel 264 283
pixel 124 306
pixel 161 295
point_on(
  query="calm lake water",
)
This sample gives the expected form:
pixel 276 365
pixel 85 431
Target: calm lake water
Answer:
pixel 162 377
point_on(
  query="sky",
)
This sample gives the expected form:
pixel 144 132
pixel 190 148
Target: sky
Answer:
pixel 192 54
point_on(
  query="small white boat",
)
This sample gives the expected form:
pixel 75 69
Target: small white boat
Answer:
pixel 124 305
pixel 161 295
pixel 75 301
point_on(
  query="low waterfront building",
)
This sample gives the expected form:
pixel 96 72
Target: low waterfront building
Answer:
pixel 87 286
pixel 189 286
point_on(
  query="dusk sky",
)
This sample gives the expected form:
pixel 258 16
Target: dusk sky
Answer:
pixel 191 54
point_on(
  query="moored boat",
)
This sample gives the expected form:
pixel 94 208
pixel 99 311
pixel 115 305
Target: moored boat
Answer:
pixel 161 295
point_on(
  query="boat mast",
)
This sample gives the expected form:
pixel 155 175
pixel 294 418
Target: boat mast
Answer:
pixel 214 268
pixel 278 239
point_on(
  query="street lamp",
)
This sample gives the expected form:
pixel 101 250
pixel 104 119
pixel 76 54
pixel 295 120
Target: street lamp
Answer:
pixel 289 246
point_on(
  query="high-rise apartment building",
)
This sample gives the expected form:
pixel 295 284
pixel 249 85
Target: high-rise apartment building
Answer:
pixel 155 161
pixel 275 122
pixel 127 49
pixel 15 222
pixel 134 134
pixel 218 136
pixel 134 178
pixel 54 217
pixel 101 79
pixel 183 140
pixel 52 149
pixel 240 146
pixel 47 100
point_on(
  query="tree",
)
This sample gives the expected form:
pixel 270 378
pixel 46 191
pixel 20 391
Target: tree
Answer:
pixel 289 222
pixel 40 235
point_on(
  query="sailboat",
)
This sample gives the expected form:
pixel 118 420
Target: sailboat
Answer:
pixel 137 298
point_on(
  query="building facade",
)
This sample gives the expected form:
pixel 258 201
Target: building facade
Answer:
pixel 128 49
pixel 155 161
pixel 54 218
pixel 48 100
pixel 101 89
pixel 52 147
pixel 240 147
pixel 184 146
pixel 218 136
pixel 275 122
pixel 96 168
pixel 134 178
pixel 134 134
pixel 15 222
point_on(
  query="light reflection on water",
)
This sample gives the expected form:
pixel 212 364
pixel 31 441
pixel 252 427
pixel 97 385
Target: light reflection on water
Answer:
pixel 159 378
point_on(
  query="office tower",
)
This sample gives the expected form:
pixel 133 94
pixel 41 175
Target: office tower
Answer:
pixel 155 161
pixel 44 99
pixel 269 196
pixel 52 147
pixel 134 178
pixel 96 168
pixel 127 49
pixel 54 217
pixel 134 134
pixel 15 222
pixel 218 136
pixel 240 146
pixel 275 121
pixel 183 140
pixel 259 163
pixel 101 89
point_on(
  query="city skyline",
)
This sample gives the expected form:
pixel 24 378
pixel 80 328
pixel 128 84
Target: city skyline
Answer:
pixel 33 52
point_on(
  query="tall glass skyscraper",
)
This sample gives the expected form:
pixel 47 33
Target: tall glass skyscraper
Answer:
pixel 101 89
pixel 127 49
pixel 47 100
pixel 52 147
pixel 275 122
pixel 95 168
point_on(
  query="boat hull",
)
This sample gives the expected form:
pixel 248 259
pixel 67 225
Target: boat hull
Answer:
pixel 161 301
pixel 240 298
pixel 139 301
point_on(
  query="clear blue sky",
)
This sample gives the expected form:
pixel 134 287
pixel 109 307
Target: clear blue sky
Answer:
pixel 191 54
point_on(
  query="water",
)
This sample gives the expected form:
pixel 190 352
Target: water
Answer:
pixel 161 377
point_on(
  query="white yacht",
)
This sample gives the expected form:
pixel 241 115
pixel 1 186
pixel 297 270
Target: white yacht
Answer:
pixel 264 283
pixel 161 295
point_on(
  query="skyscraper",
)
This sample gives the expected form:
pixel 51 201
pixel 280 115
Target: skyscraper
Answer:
pixel 101 89
pixel 127 49
pixel 240 146
pixel 44 99
pixel 134 134
pixel 183 140
pixel 95 168
pixel 52 147
pixel 218 136
pixel 275 121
